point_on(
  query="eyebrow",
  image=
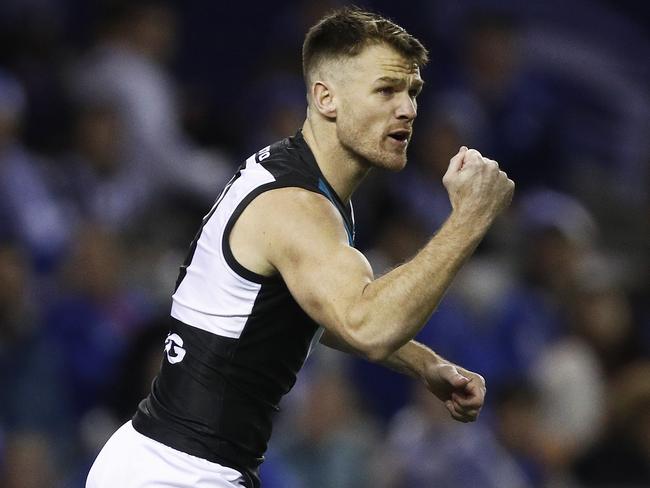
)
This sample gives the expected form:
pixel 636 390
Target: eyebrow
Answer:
pixel 417 82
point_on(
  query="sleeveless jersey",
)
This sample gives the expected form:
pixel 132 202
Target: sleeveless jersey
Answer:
pixel 238 338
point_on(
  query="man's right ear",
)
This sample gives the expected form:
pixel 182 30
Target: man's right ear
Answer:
pixel 324 99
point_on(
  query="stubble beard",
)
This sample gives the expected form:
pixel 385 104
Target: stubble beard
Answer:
pixel 363 147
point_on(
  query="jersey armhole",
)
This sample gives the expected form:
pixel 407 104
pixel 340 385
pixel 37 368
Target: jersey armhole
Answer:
pixel 232 262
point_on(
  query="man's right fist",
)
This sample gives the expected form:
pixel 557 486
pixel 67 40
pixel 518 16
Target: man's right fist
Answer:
pixel 477 187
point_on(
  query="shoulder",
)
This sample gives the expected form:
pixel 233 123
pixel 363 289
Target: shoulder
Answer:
pixel 288 160
pixel 296 209
pixel 285 226
pixel 280 152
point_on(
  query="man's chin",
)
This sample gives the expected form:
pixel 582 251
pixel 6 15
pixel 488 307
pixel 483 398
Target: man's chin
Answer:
pixel 393 163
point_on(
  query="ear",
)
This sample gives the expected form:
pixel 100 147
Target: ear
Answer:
pixel 322 94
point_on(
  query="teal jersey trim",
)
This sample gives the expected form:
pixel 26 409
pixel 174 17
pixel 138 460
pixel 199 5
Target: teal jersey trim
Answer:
pixel 326 191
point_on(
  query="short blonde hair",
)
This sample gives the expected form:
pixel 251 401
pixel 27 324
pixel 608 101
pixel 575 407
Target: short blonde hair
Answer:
pixel 347 31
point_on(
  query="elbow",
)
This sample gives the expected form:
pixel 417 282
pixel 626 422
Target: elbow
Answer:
pixel 370 345
pixel 377 354
pixel 363 333
pixel 351 343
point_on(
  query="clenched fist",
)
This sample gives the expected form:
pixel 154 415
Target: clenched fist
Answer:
pixel 461 390
pixel 477 187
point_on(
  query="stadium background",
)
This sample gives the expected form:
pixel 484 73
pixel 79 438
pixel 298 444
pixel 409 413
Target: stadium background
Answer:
pixel 119 123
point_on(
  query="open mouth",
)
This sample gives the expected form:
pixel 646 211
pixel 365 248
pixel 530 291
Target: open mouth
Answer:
pixel 400 135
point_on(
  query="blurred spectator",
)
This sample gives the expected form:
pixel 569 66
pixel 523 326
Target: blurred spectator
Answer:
pixel 35 419
pixel 427 448
pixel 517 426
pixel 29 213
pixel 276 109
pixel 327 439
pixel 472 324
pixel 556 233
pixel 139 366
pixel 95 316
pixel 29 462
pixel 32 46
pixel 603 317
pixel 504 107
pixel 571 405
pixel 557 230
pixel 563 414
pixel 135 370
pixel 126 70
pixel 622 457
pixel 601 124
pixel 499 318
pixel 101 181
pixel 291 22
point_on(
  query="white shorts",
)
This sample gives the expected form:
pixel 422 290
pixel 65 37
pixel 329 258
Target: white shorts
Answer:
pixel 132 460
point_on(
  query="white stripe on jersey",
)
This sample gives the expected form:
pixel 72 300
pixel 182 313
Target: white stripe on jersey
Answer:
pixel 212 296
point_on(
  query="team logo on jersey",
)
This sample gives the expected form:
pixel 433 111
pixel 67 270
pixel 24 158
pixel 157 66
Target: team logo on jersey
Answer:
pixel 174 348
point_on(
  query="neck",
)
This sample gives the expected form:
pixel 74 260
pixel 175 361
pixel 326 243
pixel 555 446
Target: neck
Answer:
pixel 343 170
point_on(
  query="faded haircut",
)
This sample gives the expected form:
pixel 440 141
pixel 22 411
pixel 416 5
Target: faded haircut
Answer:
pixel 347 31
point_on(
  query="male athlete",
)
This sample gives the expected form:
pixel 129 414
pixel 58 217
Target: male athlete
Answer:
pixel 273 270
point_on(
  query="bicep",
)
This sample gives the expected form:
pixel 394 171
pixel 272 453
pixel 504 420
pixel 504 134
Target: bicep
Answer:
pixel 326 280
pixel 308 245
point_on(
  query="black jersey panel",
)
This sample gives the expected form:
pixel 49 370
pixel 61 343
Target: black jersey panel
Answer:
pixel 219 401
pixel 216 396
pixel 185 407
pixel 307 156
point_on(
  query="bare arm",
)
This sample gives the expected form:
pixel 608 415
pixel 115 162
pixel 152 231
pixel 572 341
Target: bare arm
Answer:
pixel 462 391
pixel 410 359
pixel 300 235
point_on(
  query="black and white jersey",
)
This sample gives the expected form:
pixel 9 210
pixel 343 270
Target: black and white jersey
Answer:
pixel 239 338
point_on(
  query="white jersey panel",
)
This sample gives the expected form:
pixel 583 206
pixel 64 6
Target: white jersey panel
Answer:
pixel 212 296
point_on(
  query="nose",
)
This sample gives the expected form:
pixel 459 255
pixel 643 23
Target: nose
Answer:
pixel 407 108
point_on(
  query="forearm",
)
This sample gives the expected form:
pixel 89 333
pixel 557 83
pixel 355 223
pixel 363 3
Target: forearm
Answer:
pixel 393 308
pixel 411 359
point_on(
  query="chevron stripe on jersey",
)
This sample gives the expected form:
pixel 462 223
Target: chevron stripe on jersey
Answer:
pixel 219 305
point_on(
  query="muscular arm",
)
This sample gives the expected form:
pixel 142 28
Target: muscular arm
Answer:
pixel 462 391
pixel 299 234
pixel 411 359
pixel 305 241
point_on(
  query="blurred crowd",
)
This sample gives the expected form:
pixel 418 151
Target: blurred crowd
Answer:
pixel 121 121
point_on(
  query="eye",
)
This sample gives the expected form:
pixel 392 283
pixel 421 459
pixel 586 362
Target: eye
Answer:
pixel 414 93
pixel 386 90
